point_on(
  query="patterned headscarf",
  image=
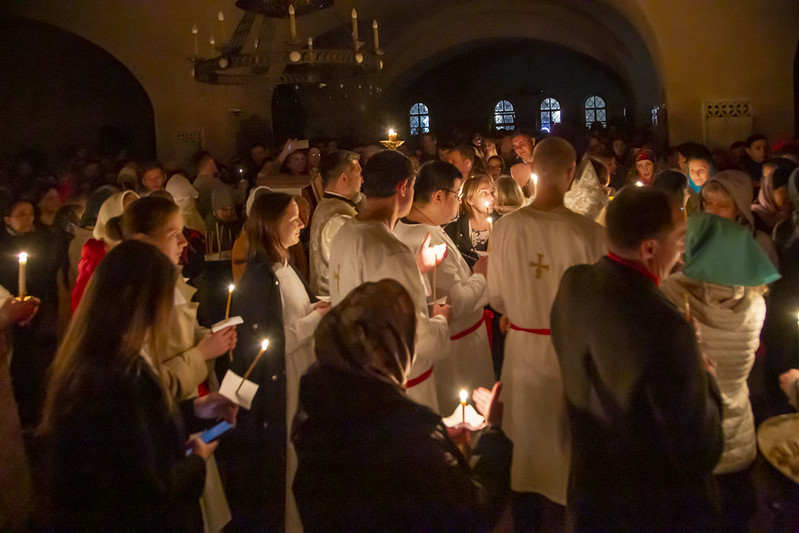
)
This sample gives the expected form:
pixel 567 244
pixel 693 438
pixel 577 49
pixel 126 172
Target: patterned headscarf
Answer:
pixel 372 332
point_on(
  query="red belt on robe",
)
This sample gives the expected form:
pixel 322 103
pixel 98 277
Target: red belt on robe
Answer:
pixel 533 331
pixel 487 317
pixel 420 378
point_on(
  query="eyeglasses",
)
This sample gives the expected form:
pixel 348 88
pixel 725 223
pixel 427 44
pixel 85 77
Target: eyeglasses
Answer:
pixel 459 194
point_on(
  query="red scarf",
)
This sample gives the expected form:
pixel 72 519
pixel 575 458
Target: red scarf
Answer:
pixel 635 266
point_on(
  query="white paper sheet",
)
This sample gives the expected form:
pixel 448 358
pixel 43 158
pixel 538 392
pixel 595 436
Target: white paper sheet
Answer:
pixel 246 393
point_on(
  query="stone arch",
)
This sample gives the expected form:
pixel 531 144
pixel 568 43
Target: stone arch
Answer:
pixel 61 91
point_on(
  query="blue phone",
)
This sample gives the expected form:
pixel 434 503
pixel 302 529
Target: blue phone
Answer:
pixel 213 433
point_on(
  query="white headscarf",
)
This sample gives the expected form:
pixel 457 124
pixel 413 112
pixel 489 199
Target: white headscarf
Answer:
pixel 113 207
pixel 251 197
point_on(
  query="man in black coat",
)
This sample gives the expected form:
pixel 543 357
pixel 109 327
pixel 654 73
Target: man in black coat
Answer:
pixel 644 409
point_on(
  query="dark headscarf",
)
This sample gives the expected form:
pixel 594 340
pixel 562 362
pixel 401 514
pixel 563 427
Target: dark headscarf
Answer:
pixel 372 332
pixel 93 205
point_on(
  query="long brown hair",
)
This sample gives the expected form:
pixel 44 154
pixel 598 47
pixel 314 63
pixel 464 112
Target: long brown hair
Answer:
pixel 470 188
pixel 125 306
pixel 261 227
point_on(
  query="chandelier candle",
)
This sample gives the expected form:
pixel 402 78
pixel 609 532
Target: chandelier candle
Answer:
pixel 292 24
pixel 23 262
pixel 355 27
pixel 374 32
pixel 264 346
pixel 221 18
pixel 194 32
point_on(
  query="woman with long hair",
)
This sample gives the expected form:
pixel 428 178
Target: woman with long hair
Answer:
pixel 471 230
pixel 256 464
pixel 118 458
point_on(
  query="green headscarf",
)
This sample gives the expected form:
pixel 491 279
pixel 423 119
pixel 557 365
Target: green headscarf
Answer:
pixel 721 251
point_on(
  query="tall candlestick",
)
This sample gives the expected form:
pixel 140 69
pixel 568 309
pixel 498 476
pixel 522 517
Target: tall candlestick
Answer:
pixel 374 32
pixel 194 32
pixel 264 346
pixel 221 18
pixel 464 396
pixel 23 262
pixel 354 25
pixel 310 51
pixel 292 24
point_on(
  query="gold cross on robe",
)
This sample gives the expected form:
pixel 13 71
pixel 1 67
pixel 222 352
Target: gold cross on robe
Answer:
pixel 539 267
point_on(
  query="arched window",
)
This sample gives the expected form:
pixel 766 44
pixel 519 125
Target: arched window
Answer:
pixel 504 115
pixel 595 111
pixel 550 114
pixel 420 119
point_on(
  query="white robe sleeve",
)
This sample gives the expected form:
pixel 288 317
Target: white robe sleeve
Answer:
pixel 301 331
pixel 495 270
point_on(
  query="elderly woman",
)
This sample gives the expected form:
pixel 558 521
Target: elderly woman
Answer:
pixel 371 459
pixel 724 299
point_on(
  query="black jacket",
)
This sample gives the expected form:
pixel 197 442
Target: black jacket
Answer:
pixel 458 231
pixel 645 417
pixel 371 459
pixel 118 462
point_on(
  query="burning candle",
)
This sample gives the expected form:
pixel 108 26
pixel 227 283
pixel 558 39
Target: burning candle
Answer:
pixel 392 135
pixel 23 261
pixel 229 294
pixel 264 346
pixel 310 51
pixel 490 225
pixel 687 308
pixel 194 32
pixel 292 24
pixel 213 44
pixel 374 33
pixel 221 18
pixel 354 25
pixel 464 396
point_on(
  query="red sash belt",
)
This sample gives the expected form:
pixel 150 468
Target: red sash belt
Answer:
pixel 465 332
pixel 533 331
pixel 419 379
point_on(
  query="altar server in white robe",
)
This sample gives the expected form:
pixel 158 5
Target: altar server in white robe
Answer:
pixel 366 249
pixel 435 203
pixel 530 249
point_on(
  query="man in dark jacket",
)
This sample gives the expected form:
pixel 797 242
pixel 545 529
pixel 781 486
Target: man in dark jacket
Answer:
pixel 644 413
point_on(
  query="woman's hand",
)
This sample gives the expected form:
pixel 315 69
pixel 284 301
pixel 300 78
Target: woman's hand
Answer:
pixel 428 256
pixel 215 406
pixel 201 448
pixel 215 344
pixel 788 384
pixel 323 307
pixel 489 405
pixel 16 311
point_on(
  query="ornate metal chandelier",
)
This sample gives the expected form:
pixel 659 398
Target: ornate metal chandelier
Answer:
pixel 252 54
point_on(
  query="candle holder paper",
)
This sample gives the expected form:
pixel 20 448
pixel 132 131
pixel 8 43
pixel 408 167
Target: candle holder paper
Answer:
pixel 474 421
pixel 246 393
pixel 222 324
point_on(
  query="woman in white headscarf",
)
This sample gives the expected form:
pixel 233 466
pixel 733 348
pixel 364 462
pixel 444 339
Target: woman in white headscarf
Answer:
pixel 186 197
pixel 589 193
pixel 95 249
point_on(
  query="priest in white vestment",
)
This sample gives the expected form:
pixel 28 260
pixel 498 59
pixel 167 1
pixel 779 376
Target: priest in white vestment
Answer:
pixel 366 249
pixel 435 203
pixel 341 178
pixel 530 249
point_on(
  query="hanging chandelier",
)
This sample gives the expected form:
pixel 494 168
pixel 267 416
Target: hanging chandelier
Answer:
pixel 253 55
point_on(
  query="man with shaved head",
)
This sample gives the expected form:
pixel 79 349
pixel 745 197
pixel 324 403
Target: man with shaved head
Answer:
pixel 530 249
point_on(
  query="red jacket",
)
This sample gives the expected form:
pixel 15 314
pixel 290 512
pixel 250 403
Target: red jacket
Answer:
pixel 90 256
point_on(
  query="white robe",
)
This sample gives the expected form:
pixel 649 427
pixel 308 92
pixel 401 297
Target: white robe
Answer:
pixel 535 416
pixel 469 364
pixel 369 251
pixel 299 324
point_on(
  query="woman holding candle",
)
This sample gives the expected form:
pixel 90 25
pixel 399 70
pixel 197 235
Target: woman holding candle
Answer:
pixel 371 459
pixel 257 465
pixel 118 458
pixel 190 350
pixel 471 230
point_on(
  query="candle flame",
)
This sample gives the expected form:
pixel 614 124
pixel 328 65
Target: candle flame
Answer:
pixel 534 177
pixel 639 183
pixel 230 287
pixel 490 220
pixel 392 132
pixel 220 16
pixel 264 345
pixel 464 395
pixel 354 13
pixel 374 24
pixel 194 29
pixel 23 257
pixel 291 9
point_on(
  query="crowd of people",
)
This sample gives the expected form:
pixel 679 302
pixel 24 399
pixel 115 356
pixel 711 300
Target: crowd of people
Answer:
pixel 603 312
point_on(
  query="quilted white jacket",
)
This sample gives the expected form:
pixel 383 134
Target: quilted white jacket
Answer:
pixel 729 321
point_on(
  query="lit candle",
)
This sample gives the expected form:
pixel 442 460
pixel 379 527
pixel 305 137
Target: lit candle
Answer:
pixel 23 261
pixel 490 225
pixel 392 135
pixel 221 18
pixel 229 295
pixel 687 308
pixel 464 397
pixel 435 269
pixel 194 32
pixel 213 43
pixel 354 25
pixel 264 346
pixel 639 183
pixel 292 24
pixel 310 51
pixel 374 32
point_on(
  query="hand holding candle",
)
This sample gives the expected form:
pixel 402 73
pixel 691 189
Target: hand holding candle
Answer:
pixel 264 346
pixel 23 262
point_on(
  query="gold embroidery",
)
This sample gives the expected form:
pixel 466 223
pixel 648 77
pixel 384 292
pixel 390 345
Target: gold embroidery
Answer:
pixel 539 267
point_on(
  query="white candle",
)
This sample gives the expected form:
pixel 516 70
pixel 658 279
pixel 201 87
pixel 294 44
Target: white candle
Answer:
pixel 310 51
pixel 392 135
pixel 464 396
pixel 264 346
pixel 194 32
pixel 221 18
pixel 354 25
pixel 292 24
pixel 23 261
pixel 374 32
pixel 229 295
